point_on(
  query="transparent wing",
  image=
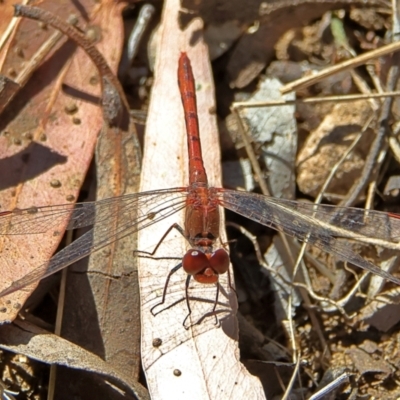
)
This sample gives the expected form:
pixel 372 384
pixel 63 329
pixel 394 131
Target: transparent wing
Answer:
pixel 326 227
pixel 115 218
pixel 43 219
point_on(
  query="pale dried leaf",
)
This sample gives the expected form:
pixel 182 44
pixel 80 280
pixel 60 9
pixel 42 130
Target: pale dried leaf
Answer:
pixel 274 129
pixel 204 353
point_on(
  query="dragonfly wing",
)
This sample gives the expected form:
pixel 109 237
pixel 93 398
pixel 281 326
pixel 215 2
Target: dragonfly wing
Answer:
pixel 121 223
pixel 356 223
pixel 289 217
pixel 35 220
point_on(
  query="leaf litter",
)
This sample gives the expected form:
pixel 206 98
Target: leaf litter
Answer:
pixel 342 321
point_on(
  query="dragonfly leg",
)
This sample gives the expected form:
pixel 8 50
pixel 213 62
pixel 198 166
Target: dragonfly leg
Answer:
pixel 187 302
pixel 212 312
pixel 215 303
pixel 173 270
pixel 151 253
pixel 173 226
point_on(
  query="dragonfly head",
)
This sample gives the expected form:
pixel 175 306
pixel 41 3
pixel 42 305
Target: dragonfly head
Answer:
pixel 205 267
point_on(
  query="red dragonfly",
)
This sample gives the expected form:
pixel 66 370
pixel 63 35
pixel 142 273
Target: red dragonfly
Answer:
pixel 327 227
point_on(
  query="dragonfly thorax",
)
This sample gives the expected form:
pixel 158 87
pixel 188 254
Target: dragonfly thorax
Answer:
pixel 202 215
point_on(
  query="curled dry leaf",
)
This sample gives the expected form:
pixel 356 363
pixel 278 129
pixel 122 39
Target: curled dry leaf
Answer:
pixel 36 343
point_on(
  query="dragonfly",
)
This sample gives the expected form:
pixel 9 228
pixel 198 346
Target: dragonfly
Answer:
pixel 327 227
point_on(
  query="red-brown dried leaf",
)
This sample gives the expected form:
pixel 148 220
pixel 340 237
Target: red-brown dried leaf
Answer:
pixel 49 130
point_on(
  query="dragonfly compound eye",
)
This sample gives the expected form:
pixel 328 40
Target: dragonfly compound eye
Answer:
pixel 194 261
pixel 219 261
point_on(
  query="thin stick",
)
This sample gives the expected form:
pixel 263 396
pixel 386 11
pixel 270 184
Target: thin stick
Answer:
pixel 38 58
pixel 324 187
pixel 292 379
pixel 314 100
pixel 379 141
pixel 32 64
pixel 353 63
pixel 9 29
pixel 322 393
